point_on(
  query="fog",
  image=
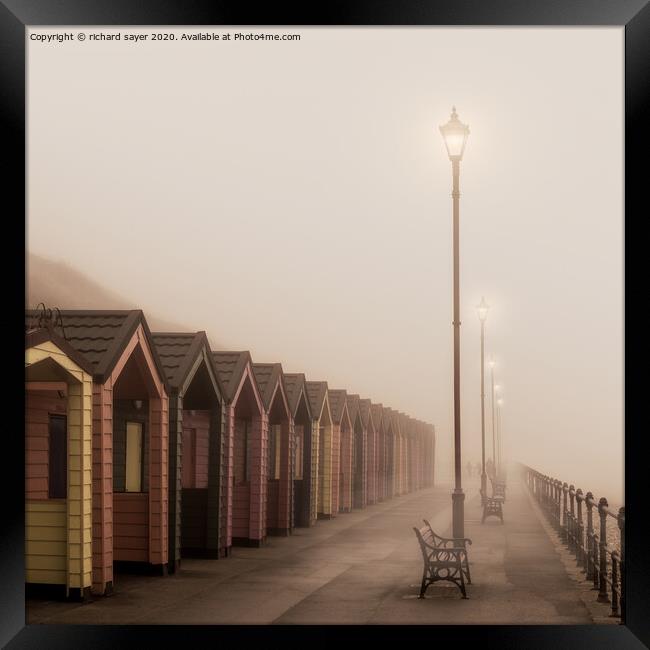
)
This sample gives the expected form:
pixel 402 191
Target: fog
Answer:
pixel 293 199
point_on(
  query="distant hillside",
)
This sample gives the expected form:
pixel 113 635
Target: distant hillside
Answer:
pixel 59 285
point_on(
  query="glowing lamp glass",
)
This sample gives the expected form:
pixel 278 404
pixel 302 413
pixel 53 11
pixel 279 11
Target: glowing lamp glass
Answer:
pixel 482 310
pixel 455 135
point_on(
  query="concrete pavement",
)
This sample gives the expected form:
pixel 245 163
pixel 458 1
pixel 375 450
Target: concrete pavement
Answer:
pixel 365 568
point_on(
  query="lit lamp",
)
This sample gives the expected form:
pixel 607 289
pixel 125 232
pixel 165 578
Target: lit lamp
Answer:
pixel 455 135
pixel 482 310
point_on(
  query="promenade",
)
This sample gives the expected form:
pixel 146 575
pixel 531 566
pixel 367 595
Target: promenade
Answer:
pixel 362 568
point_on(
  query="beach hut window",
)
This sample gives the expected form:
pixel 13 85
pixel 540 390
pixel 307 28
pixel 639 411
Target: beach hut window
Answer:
pixel 58 457
pixel 134 457
pixel 299 433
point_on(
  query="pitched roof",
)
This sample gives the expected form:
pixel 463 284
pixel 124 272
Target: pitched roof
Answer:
pixel 404 424
pixel 178 352
pixel 35 337
pixel 397 421
pixel 352 402
pixel 337 404
pixel 101 336
pixel 294 384
pixel 365 410
pixel 316 394
pixel 377 416
pixel 268 376
pixel 387 419
pixel 230 367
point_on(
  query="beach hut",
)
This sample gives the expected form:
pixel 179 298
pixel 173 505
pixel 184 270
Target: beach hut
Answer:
pixel 359 459
pixel 367 422
pixel 377 411
pixel 58 459
pixel 399 453
pixel 280 446
pixel 342 461
pixel 130 441
pixel 317 393
pixel 430 456
pixel 305 479
pixel 195 444
pixel 405 432
pixel 389 435
pixel 418 454
pixel 411 457
pixel 243 475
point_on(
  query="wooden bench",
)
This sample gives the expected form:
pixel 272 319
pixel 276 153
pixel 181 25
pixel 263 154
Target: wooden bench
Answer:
pixel 443 562
pixel 492 506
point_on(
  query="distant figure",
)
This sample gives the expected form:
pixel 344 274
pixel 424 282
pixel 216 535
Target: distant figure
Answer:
pixel 469 468
pixel 478 469
pixel 489 467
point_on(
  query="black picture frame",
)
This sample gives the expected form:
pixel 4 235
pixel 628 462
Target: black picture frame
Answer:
pixel 15 15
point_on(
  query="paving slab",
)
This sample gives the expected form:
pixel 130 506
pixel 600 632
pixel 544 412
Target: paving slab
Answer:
pixel 362 567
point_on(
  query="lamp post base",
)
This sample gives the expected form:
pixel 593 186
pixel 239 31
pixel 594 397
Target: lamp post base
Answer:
pixel 458 513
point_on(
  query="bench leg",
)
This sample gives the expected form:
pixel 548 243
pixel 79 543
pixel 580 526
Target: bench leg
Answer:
pixel 462 582
pixel 423 587
pixel 469 577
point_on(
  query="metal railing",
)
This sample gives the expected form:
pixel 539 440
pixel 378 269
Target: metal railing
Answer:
pixel 582 522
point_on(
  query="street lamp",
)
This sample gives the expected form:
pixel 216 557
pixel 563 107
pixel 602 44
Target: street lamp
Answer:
pixel 455 135
pixel 499 405
pixel 482 309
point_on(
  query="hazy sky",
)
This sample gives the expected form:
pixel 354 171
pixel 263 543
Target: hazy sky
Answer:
pixel 293 199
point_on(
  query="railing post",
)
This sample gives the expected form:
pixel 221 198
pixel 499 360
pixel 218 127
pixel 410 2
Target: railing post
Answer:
pixel 621 527
pixel 558 505
pixel 580 557
pixel 602 569
pixel 589 500
pixel 595 562
pixel 565 492
pixel 572 493
pixel 614 584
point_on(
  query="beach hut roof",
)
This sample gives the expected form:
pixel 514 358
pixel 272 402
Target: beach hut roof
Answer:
pixel 316 395
pixel 179 351
pixel 352 402
pixel 230 367
pixel 269 378
pixel 101 336
pixel 294 384
pixel 377 415
pixel 35 337
pixel 337 398
pixel 365 410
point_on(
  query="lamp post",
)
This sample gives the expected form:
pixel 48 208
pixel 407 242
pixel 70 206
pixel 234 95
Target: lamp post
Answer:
pixel 455 135
pixel 482 310
pixel 499 405
pixel 495 432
